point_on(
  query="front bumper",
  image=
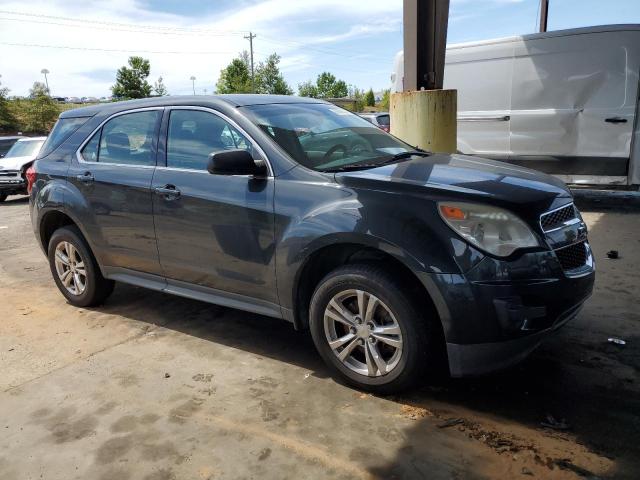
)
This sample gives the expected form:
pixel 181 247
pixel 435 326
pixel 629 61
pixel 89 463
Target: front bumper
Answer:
pixel 12 184
pixel 500 311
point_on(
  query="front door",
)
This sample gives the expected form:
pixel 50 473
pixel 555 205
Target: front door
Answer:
pixel 215 231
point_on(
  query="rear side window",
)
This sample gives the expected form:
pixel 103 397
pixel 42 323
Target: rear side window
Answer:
pixel 61 131
pixel 126 140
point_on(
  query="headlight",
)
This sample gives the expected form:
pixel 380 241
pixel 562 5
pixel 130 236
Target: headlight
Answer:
pixel 491 229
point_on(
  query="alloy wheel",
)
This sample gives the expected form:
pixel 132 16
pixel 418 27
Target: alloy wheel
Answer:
pixel 70 267
pixel 363 333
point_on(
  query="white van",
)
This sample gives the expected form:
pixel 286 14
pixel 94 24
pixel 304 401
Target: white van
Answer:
pixel 564 102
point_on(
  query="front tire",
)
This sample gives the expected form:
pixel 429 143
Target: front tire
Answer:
pixel 368 331
pixel 75 270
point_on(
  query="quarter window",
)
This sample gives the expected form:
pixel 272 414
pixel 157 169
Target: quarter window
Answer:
pixel 126 139
pixel 90 150
pixel 194 134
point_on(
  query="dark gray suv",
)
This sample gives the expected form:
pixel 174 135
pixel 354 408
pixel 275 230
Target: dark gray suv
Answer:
pixel 394 258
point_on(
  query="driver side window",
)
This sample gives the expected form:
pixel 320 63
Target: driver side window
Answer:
pixel 194 134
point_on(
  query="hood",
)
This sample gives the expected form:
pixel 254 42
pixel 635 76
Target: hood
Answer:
pixel 464 178
pixel 15 163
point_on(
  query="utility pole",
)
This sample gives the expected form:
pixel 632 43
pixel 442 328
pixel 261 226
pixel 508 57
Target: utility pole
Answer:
pixel 193 83
pixel 544 15
pixel 253 82
pixel 44 71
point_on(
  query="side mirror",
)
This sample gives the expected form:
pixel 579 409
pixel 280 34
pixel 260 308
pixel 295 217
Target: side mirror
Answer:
pixel 236 162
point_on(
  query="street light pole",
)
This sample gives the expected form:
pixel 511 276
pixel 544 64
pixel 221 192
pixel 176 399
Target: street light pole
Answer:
pixel 44 71
pixel 193 84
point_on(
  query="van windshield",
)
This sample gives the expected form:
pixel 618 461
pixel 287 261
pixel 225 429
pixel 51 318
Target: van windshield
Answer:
pixel 324 137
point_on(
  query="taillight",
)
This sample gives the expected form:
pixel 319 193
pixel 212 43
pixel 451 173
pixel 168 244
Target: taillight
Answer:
pixel 31 177
pixel 386 128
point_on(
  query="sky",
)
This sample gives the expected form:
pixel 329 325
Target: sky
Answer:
pixel 83 42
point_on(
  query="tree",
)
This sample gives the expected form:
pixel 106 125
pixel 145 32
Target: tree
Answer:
pixel 326 86
pixel 42 111
pixel 386 100
pixel 159 88
pixel 308 89
pixel 269 79
pixel 235 77
pixel 132 82
pixel 7 119
pixel 330 87
pixel 370 98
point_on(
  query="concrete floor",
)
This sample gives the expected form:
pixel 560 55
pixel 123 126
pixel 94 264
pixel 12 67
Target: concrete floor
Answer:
pixel 157 387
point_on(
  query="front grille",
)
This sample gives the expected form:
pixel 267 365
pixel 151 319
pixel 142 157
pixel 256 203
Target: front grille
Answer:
pixel 573 256
pixel 9 173
pixel 552 220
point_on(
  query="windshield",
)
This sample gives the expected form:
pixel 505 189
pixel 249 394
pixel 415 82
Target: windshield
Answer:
pixel 24 148
pixel 61 131
pixel 325 137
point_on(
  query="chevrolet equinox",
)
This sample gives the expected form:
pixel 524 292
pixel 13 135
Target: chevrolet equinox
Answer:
pixel 394 258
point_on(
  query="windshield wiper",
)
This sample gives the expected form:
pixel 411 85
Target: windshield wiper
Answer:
pixel 393 159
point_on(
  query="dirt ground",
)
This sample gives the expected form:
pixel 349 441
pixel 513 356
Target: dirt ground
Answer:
pixel 156 387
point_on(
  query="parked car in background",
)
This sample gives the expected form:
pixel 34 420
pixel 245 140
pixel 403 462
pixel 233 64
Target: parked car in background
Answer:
pixel 563 102
pixel 397 260
pixel 7 142
pixel 381 120
pixel 59 99
pixel 73 100
pixel 14 165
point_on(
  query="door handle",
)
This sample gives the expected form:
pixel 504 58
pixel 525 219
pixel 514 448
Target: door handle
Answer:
pixel 169 192
pixel 615 120
pixel 86 178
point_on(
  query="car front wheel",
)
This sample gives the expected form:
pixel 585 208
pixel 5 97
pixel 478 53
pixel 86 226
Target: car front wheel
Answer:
pixel 368 331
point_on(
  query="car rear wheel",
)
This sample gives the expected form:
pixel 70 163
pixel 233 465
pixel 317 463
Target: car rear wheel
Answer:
pixel 368 331
pixel 75 270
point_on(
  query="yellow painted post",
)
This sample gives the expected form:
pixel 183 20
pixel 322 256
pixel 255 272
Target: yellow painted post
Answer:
pixel 426 119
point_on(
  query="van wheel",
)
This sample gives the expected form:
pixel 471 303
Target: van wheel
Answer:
pixel 368 331
pixel 75 270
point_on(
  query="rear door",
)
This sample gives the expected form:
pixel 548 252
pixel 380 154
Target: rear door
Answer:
pixel 113 171
pixel 215 231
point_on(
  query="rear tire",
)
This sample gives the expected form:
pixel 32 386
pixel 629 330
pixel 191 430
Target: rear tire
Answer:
pixel 395 343
pixel 3 197
pixel 75 270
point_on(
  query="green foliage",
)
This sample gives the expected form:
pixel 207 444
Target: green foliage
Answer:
pixel 8 120
pixel 159 88
pixel 326 86
pixel 308 89
pixel 268 78
pixel 386 100
pixel 358 97
pixel 40 111
pixel 132 82
pixel 235 77
pixel 370 98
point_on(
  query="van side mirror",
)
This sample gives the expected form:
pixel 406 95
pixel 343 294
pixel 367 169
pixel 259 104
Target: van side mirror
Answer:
pixel 236 162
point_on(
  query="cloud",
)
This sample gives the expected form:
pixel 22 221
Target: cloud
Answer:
pixel 119 28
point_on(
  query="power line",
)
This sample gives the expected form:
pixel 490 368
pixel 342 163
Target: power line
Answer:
pixel 129 30
pixel 67 47
pixel 130 25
